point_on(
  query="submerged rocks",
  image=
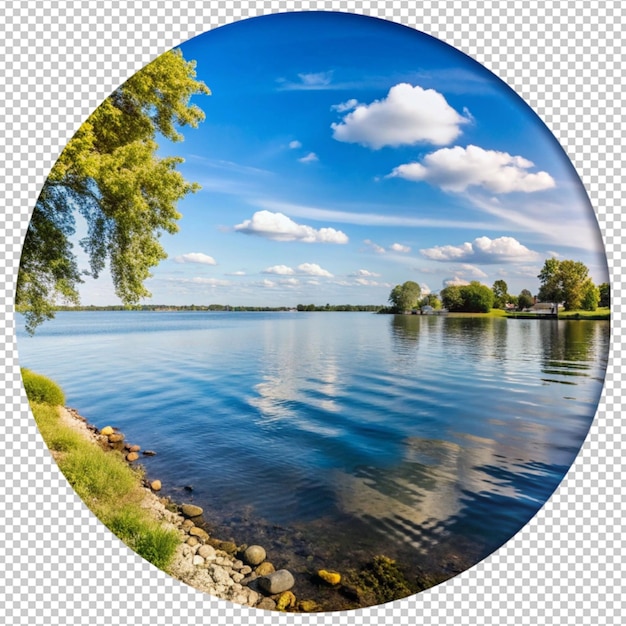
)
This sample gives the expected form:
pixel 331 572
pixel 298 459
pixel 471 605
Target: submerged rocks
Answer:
pixel 254 555
pixel 329 576
pixel 191 510
pixel 276 582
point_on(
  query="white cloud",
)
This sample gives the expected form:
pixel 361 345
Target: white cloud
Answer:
pixel 424 290
pixel 201 280
pixel 237 273
pixel 295 144
pixel 398 247
pixel 365 274
pixel 455 281
pixel 456 169
pixel 279 227
pixel 195 257
pixel 374 246
pixel 408 115
pixel 315 80
pixel 309 158
pixel 471 270
pixel 313 269
pixel 483 250
pixel 353 103
pixel 289 282
pixel 282 270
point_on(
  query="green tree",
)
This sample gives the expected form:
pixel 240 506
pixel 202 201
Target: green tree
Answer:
pixel 477 298
pixel 500 294
pixel 431 299
pixel 111 175
pixel 590 296
pixel 564 281
pixel 551 289
pixel 605 294
pixel 452 298
pixel 525 300
pixel 404 297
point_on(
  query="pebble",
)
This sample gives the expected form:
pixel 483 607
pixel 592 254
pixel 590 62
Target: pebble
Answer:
pixel 192 541
pixel 133 456
pixel 330 577
pixel 287 600
pixel 276 582
pixel 107 430
pixel 116 438
pixel 207 552
pixel 267 604
pixel 203 535
pixel 198 560
pixel 264 569
pixel 155 485
pixel 254 555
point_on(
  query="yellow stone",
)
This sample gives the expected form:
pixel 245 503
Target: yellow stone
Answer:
pixel 308 606
pixel 107 430
pixel 332 578
pixel 155 485
pixel 286 600
pixel 133 456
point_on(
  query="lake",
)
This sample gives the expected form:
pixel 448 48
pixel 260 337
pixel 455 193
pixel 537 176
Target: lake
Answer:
pixel 332 437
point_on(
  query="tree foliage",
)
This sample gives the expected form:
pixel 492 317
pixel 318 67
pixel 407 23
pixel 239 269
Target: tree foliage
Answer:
pixel 472 298
pixel 111 175
pixel 404 297
pixel 567 282
pixel 605 294
pixel 525 300
pixel 500 294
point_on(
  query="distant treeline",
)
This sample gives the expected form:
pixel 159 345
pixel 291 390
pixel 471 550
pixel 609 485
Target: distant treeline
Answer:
pixel 224 307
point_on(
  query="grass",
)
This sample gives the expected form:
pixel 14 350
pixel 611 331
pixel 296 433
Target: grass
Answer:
pixel 602 313
pixel 102 479
pixel 492 313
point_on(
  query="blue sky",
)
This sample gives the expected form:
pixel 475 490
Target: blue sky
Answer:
pixel 342 155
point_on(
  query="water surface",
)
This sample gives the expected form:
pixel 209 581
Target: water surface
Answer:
pixel 332 437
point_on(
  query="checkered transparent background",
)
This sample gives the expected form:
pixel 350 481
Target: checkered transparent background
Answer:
pixel 59 61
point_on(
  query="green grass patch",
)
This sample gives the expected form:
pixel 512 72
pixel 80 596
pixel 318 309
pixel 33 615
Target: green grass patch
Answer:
pixel 41 390
pixel 602 313
pixel 104 481
pixel 492 313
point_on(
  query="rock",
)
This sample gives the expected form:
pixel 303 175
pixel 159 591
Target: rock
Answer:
pixel 286 600
pixel 220 575
pixel 308 606
pixel 116 438
pixel 198 560
pixel 186 487
pixel 149 453
pixel 277 582
pixel 267 604
pixel 134 448
pixel 133 456
pixel 155 485
pixel 245 570
pixel 191 510
pixel 187 524
pixel 254 555
pixel 237 565
pixel 207 552
pixel 192 541
pixel 228 546
pixel 107 430
pixel 329 576
pixel 201 534
pixel 264 569
pixel 237 577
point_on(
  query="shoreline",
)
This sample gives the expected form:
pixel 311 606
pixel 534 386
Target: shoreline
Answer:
pixel 237 573
pixel 241 573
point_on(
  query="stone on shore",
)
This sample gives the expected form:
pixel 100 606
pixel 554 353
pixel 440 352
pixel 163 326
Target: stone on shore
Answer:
pixel 286 600
pixel 134 448
pixel 155 485
pixel 267 604
pixel 264 569
pixel 201 534
pixel 276 582
pixel 254 555
pixel 228 546
pixel 191 510
pixel 207 552
pixel 308 606
pixel 149 453
pixel 107 430
pixel 116 438
pixel 133 456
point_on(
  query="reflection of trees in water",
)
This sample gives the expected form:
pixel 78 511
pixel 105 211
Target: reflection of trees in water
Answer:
pixel 573 348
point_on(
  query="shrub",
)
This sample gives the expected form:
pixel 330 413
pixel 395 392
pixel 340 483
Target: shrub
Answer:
pixel 41 390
